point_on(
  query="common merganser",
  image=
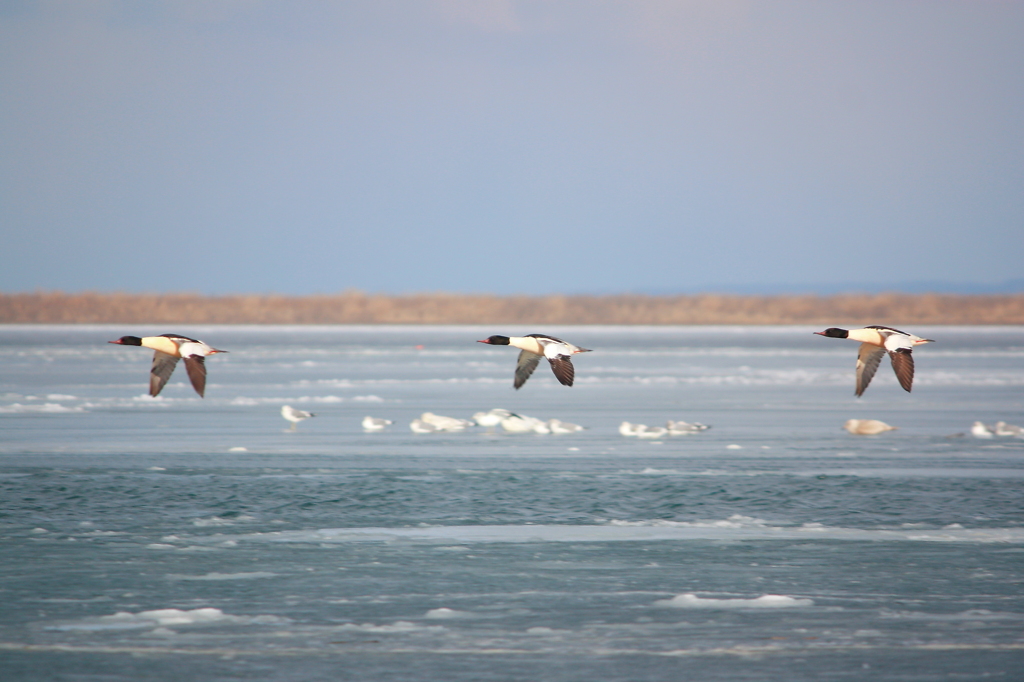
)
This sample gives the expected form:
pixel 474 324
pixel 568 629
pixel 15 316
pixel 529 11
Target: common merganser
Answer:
pixel 169 349
pixel 294 416
pixel 375 423
pixel 876 341
pixel 537 346
pixel 867 427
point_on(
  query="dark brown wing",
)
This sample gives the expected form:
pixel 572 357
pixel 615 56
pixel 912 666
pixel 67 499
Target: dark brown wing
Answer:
pixel 524 367
pixel 903 365
pixel 196 367
pixel 561 365
pixel 160 372
pixel 868 358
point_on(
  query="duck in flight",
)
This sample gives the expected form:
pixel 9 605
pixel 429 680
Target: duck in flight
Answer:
pixel 876 341
pixel 533 347
pixel 169 349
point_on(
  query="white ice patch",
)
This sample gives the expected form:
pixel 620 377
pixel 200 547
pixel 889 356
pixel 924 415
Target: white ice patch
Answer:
pixel 969 615
pixel 445 613
pixel 734 521
pixel 734 528
pixel 397 627
pixel 45 408
pixel 246 401
pixel 337 383
pixel 223 576
pixel 147 398
pixel 765 601
pixel 164 618
pixel 132 403
pixel 220 521
pixel 542 631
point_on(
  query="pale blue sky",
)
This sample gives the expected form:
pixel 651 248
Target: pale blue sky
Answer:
pixel 510 147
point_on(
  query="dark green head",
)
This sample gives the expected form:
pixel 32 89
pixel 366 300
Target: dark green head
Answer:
pixel 495 340
pixel 128 341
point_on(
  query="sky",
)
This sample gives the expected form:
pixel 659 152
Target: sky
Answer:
pixel 511 146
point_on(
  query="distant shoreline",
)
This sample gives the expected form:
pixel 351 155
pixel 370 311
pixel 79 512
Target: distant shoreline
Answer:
pixel 440 308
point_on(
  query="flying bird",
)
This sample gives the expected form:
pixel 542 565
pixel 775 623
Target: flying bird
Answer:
pixel 294 416
pixel 876 341
pixel 169 349
pixel 537 346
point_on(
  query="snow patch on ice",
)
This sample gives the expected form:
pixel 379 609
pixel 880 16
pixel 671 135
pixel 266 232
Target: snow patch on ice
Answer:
pixel 223 576
pixel 45 408
pixel 164 618
pixel 220 521
pixel 445 613
pixel 765 601
pixel 734 521
pixel 400 626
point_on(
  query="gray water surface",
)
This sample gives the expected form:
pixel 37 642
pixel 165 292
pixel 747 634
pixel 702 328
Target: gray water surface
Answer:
pixel 178 538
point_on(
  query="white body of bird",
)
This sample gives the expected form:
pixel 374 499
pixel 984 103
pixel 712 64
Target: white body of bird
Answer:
pixel 446 423
pixel 517 423
pixel 1004 429
pixel 651 432
pixel 681 428
pixel 559 426
pixel 628 429
pixel 375 423
pixel 295 416
pixel 491 418
pixel 979 430
pixel 867 427
pixel 420 426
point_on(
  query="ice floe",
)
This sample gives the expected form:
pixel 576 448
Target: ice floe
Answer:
pixel 45 408
pixel 253 575
pixel 165 618
pixel 765 601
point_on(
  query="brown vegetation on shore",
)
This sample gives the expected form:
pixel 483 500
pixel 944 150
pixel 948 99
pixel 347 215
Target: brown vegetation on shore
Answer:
pixel 360 308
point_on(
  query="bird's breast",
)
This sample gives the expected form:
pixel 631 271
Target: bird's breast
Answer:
pixel 871 336
pixel 527 343
pixel 162 344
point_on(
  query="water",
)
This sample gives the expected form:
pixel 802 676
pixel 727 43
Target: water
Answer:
pixel 178 538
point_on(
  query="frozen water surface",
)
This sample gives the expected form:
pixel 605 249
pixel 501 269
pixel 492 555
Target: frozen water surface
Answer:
pixel 185 539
